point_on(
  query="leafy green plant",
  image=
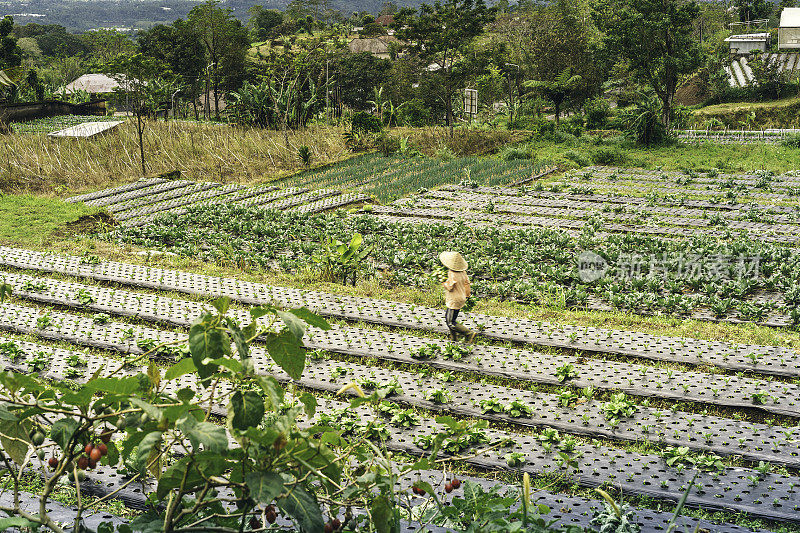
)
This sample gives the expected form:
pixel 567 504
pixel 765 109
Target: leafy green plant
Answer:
pixel 304 155
pixel 438 395
pixel 566 372
pixel 340 262
pixel 619 407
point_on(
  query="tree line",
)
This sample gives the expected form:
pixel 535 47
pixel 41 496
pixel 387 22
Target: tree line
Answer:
pixel 282 69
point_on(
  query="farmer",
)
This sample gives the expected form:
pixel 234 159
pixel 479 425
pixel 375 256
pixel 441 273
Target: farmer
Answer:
pixel 457 291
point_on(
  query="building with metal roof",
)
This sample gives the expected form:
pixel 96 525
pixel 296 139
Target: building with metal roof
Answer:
pixel 92 84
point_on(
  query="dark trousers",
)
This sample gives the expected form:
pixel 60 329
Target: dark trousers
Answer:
pixel 450 317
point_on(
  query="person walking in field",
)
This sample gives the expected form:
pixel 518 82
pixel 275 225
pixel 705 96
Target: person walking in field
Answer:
pixel 457 290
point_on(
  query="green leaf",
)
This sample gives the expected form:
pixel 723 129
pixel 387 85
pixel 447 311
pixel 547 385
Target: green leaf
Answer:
pixel 15 521
pixel 231 364
pixel 211 436
pixel 151 410
pixel 62 431
pixel 286 350
pixel 185 394
pixel 154 374
pixel 127 385
pixel 112 457
pixel 207 343
pixel 273 390
pixel 264 486
pixel 382 515
pixel 200 467
pixel 182 367
pixel 147 446
pixel 258 312
pixel 239 339
pixel 248 409
pixel 222 304
pixel 311 319
pixel 304 509
pixel 293 324
pixel 15 439
pixel 309 403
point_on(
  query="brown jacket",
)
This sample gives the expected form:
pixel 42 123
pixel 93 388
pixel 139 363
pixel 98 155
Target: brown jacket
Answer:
pixel 457 289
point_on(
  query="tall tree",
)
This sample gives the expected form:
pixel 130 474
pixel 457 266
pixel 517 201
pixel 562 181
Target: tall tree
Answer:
pixel 754 9
pixel 178 46
pixel 10 52
pixel 655 38
pixel 441 34
pixel 358 75
pixel 226 43
pixel 104 45
pixel 264 22
pixel 558 89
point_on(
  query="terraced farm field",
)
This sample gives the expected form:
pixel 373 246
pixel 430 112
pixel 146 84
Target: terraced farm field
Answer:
pixel 719 248
pixel 655 418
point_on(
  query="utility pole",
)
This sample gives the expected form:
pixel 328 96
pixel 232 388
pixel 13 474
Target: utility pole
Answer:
pixel 511 95
pixel 327 92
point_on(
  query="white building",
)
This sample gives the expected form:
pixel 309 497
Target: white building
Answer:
pixel 747 43
pixel 789 30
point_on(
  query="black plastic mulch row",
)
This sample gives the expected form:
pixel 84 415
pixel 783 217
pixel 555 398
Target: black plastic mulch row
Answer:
pixel 616 198
pixel 141 184
pixel 156 189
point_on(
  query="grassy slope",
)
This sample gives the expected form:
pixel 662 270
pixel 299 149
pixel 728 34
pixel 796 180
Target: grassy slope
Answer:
pixel 747 106
pixel 31 220
pixel 679 156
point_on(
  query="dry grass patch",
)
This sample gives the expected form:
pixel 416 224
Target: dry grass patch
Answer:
pixel 38 164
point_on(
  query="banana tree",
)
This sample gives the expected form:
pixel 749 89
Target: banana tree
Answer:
pixel 558 89
pixel 9 79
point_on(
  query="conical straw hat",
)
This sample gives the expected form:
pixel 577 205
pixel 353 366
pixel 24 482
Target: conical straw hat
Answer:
pixel 454 261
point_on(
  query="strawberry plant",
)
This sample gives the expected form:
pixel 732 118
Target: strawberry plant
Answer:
pixel 34 286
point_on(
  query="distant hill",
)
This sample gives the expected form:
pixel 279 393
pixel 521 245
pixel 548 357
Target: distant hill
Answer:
pixel 81 15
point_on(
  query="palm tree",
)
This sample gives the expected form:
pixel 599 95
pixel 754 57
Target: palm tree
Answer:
pixel 557 90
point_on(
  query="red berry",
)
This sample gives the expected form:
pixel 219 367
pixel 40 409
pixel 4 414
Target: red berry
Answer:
pixel 83 462
pixel 456 483
pixel 88 449
pixel 92 463
pixel 419 490
pixel 328 528
pixel 255 523
pixel 95 455
pixel 271 516
pixel 103 449
pixel 53 462
pixel 106 437
pixel 337 524
pixel 448 488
